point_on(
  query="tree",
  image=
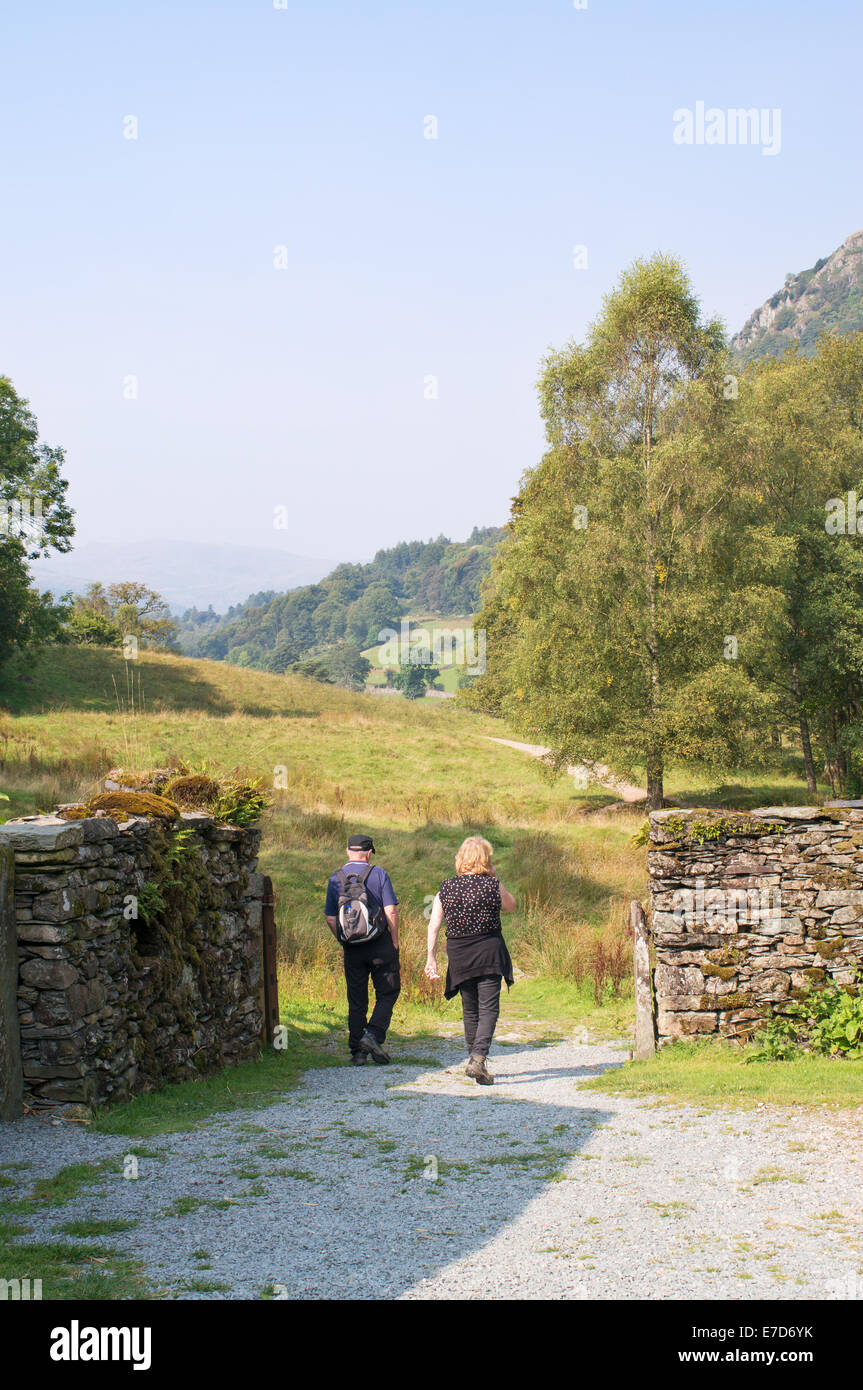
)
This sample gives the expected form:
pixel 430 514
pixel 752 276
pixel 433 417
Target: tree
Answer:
pixel 91 629
pixel 313 669
pixel 126 609
pixel 796 431
pixel 376 608
pixel 348 667
pixel 283 655
pixel 412 680
pixel 34 519
pixel 606 611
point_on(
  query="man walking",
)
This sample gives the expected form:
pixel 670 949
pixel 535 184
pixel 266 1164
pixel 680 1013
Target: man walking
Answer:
pixel 362 913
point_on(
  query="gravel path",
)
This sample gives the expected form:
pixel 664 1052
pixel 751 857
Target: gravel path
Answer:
pixel 410 1181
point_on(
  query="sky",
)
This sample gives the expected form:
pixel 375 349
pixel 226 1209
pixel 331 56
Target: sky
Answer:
pixel 257 304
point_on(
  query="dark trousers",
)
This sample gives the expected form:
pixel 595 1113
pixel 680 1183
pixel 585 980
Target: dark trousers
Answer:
pixel 480 1006
pixel 379 960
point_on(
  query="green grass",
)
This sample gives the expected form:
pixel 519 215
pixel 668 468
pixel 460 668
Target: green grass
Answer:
pixel 65 1185
pixel 93 1227
pixel 70 1271
pixel 449 674
pixel 712 1073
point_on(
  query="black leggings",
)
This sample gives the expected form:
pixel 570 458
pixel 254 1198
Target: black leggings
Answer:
pixel 480 1005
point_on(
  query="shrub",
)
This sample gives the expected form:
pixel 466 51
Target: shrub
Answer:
pixel 827 1021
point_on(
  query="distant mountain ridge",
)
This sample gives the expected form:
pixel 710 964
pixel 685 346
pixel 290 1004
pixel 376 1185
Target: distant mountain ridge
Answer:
pixel 188 574
pixel 827 296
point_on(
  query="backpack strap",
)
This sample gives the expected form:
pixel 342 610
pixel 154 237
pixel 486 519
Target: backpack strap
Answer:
pixel 343 876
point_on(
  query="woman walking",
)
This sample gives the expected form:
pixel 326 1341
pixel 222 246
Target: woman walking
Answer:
pixel 477 959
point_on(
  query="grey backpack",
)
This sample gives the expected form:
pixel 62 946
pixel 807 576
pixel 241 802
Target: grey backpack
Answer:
pixel 355 921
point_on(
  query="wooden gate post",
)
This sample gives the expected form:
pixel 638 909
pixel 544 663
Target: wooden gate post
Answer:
pixel 269 971
pixel 645 1024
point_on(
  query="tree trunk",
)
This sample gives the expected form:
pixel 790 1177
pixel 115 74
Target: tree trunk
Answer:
pixel 655 798
pixel 805 740
pixel 808 760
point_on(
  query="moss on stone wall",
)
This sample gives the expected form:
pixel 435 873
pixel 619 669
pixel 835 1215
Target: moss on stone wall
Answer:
pixel 740 999
pixel 722 972
pixel 128 804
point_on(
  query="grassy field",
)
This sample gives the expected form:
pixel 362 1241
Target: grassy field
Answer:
pixel 417 775
pixel 708 1073
pixel 450 672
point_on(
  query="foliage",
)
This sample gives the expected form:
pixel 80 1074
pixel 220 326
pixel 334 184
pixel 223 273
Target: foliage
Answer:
pixel 240 803
pixel 193 790
pixel 348 667
pixel 230 798
pixel 796 431
pixel 105 615
pixel 413 680
pixel 92 629
pixel 667 514
pixel 34 519
pixel 314 669
pixel 828 1022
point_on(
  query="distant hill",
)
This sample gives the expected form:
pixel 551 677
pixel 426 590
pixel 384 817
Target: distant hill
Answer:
pixel 827 296
pixel 186 573
pixel 272 630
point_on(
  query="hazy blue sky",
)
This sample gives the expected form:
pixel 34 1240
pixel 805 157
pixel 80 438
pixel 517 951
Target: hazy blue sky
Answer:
pixel 407 257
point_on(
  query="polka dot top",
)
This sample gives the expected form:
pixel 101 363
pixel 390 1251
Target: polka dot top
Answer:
pixel 471 905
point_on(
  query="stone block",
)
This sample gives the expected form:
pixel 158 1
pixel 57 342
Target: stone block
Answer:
pixel 685 1025
pixel 48 974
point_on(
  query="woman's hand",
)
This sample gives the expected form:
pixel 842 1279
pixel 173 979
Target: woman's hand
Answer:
pixel 431 970
pixel 507 901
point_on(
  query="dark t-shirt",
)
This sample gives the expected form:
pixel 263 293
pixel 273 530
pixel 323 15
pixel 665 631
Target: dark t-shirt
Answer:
pixel 379 889
pixel 471 905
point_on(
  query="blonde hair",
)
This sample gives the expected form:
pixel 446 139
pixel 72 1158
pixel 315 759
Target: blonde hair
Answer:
pixel 474 856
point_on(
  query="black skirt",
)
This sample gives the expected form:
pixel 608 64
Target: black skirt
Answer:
pixel 469 957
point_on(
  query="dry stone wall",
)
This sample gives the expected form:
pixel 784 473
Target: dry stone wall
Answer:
pixel 748 911
pixel 107 1003
pixel 10 1047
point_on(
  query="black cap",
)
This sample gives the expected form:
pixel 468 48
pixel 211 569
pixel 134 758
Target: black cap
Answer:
pixel 361 842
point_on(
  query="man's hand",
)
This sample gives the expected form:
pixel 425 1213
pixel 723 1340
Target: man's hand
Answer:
pixel 333 924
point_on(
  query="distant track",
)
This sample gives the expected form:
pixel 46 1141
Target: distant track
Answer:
pixel 598 772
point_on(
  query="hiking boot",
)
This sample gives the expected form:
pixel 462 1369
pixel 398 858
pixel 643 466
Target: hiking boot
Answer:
pixel 477 1068
pixel 372 1048
pixel 358 1059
